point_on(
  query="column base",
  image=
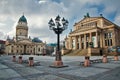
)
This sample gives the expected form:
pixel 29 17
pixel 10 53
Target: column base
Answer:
pixel 58 64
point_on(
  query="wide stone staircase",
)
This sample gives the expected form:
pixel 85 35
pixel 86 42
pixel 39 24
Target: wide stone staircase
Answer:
pixel 78 52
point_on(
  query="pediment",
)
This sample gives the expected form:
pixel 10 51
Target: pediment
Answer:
pixel 84 20
pixel 25 41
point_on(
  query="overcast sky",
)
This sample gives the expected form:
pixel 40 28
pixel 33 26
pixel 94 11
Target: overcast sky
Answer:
pixel 39 12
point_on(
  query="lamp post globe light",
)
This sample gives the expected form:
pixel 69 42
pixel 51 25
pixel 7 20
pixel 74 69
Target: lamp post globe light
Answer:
pixel 58 26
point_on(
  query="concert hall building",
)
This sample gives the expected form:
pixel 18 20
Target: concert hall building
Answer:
pixel 93 35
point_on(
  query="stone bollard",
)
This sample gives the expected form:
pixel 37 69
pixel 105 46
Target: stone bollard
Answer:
pixel 87 61
pixel 116 58
pixel 20 59
pixel 104 59
pixel 14 58
pixel 31 61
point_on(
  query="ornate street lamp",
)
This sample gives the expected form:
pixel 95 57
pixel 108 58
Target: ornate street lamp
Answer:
pixel 58 27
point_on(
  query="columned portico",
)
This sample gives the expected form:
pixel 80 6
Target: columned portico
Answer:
pixel 82 41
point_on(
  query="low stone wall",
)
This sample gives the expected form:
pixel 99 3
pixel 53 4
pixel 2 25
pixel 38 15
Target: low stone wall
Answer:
pixel 93 51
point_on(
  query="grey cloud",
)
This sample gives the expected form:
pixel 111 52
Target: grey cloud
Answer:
pixel 73 10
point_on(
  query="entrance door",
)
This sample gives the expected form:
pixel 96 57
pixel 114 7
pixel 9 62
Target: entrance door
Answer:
pixel 82 46
pixel 24 49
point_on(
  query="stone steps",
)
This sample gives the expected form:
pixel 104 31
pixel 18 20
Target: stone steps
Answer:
pixel 78 52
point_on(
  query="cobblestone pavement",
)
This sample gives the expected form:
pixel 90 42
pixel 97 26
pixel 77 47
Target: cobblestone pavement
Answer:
pixel 10 70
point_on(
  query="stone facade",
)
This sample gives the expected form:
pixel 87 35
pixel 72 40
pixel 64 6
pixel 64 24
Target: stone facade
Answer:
pixel 21 44
pixel 96 33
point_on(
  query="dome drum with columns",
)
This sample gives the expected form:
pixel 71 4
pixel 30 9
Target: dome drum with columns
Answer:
pixel 21 44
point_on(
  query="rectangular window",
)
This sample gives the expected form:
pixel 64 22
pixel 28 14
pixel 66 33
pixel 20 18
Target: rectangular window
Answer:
pixel 110 42
pixel 78 46
pixel 105 35
pixel 11 51
pixel 110 35
pixel 87 44
pixel 82 46
pixel 17 51
pixel 105 42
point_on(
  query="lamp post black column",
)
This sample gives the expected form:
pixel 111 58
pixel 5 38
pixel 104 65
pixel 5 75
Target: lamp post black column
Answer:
pixel 58 55
pixel 58 27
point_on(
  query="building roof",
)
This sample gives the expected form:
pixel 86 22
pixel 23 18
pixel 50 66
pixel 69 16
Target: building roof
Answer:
pixel 93 18
pixel 52 44
pixel 36 40
pixel 22 19
pixel 2 42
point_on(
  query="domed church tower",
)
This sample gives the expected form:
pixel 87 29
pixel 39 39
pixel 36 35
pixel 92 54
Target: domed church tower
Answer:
pixel 22 28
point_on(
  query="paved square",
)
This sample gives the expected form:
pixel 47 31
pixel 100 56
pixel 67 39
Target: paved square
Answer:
pixel 48 77
pixel 84 72
pixel 97 71
pixel 107 65
pixel 8 73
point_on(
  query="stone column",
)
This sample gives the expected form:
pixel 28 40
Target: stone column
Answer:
pixel 90 37
pixel 101 39
pixel 80 42
pixel 75 42
pixel 114 38
pixel 84 41
pixel 96 39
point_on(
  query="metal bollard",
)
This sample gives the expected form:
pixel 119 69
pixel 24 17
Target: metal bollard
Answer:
pixel 31 61
pixel 20 59
pixel 14 58
pixel 104 59
pixel 87 61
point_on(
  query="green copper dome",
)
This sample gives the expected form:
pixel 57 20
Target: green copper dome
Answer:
pixel 37 40
pixel 22 19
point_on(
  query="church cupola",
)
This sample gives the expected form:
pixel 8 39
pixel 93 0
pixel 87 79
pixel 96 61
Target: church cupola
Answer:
pixel 22 19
